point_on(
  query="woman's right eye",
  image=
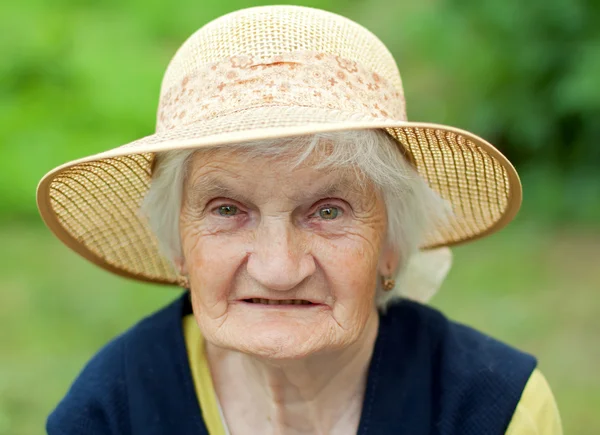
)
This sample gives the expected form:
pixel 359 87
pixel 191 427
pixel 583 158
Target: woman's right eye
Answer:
pixel 227 210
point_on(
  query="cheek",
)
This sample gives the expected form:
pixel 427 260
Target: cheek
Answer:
pixel 212 261
pixel 350 267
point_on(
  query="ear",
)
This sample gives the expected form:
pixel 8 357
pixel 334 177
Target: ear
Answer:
pixel 180 265
pixel 388 260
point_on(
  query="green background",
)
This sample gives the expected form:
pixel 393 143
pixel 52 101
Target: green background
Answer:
pixel 81 76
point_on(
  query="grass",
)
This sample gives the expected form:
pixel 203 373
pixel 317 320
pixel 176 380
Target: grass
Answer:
pixel 530 287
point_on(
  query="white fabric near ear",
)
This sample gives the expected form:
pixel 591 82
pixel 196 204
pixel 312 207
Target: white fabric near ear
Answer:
pixel 425 273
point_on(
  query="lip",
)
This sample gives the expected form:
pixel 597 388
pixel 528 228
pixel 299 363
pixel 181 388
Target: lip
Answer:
pixel 244 302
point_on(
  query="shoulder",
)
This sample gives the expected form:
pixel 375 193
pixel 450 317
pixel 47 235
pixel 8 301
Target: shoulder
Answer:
pixel 477 380
pixel 98 400
pixel 536 412
pixel 460 345
pixel 464 346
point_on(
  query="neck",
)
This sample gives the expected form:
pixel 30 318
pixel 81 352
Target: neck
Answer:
pixel 319 394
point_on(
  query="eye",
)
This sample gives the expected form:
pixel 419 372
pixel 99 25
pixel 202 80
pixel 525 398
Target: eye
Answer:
pixel 227 210
pixel 329 212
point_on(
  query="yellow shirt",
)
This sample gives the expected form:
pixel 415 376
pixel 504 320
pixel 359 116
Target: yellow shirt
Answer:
pixel 536 412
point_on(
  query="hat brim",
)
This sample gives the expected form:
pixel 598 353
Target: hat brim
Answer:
pixel 91 204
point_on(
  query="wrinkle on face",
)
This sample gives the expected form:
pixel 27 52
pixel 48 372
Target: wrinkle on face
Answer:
pixel 277 204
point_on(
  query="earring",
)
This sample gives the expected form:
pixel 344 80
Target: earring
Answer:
pixel 184 282
pixel 387 283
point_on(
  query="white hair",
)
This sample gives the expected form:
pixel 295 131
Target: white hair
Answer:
pixel 413 208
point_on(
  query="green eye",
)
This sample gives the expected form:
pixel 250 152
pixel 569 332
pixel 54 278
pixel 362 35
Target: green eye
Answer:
pixel 227 210
pixel 328 213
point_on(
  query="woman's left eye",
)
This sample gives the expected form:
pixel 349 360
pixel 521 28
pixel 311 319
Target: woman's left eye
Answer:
pixel 329 212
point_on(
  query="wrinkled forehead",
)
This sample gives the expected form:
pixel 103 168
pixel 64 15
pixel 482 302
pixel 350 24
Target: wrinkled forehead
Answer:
pixel 288 171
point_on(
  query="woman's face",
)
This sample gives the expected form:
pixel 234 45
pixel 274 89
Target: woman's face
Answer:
pixel 282 263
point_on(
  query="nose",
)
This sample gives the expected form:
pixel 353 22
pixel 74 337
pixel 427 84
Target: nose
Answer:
pixel 279 259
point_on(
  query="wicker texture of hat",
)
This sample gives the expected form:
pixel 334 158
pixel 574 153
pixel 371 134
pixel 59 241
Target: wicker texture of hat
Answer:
pixel 268 72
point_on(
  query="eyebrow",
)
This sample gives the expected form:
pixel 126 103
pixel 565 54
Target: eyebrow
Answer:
pixel 210 187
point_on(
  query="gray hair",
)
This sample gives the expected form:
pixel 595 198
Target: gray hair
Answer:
pixel 413 208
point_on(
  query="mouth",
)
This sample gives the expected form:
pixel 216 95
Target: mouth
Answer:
pixel 288 302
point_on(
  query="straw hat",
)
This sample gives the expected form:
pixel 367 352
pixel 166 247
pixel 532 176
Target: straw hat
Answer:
pixel 270 72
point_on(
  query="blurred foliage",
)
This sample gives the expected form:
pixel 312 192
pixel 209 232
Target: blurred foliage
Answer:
pixel 78 77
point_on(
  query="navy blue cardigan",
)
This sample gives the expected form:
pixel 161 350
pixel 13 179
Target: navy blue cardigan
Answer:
pixel 428 375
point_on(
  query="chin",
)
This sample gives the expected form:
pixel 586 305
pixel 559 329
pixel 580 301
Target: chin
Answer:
pixel 283 341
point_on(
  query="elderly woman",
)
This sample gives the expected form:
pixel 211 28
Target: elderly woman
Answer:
pixel 308 221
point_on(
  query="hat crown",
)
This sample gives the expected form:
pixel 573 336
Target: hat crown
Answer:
pixel 270 35
pixel 267 31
